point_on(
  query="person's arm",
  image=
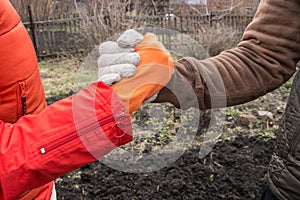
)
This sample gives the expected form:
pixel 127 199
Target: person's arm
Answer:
pixel 264 59
pixel 66 135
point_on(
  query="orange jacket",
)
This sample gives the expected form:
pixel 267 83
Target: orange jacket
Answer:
pixel 47 142
pixel 18 68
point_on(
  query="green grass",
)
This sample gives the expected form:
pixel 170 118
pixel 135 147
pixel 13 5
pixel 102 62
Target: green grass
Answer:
pixel 231 111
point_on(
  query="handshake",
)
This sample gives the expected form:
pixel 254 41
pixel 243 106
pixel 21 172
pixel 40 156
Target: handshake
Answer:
pixel 136 67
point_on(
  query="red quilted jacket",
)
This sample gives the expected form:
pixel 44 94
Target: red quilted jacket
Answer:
pixel 38 144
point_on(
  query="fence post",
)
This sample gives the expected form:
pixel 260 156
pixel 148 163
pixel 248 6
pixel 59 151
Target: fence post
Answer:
pixel 31 26
pixel 210 19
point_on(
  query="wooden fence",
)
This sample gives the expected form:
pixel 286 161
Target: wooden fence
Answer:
pixel 65 36
pixel 54 37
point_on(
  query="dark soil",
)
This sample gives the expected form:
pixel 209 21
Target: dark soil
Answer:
pixel 233 170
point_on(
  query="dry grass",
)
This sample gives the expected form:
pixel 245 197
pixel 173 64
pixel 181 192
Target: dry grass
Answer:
pixel 109 21
pixel 218 40
pixel 102 20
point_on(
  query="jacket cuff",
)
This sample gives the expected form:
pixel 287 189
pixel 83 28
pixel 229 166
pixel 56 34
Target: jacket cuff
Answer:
pixel 185 89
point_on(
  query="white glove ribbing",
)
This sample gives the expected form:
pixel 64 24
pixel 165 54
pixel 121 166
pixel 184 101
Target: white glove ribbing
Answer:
pixel 117 59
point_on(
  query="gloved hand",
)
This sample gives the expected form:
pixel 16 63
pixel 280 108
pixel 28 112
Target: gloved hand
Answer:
pixel 153 73
pixel 117 59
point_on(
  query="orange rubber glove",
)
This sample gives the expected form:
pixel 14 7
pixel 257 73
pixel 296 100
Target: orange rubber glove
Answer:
pixel 152 74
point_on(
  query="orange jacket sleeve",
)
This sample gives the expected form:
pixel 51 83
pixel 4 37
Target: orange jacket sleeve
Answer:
pixel 66 135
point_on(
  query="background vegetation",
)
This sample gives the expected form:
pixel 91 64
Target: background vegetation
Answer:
pixel 77 26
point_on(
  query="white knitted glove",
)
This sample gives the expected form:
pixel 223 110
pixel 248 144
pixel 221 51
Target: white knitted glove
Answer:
pixel 117 59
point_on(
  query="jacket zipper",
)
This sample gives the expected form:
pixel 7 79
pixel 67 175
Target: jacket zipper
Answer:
pixel 23 98
pixel 74 135
pixel 295 141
